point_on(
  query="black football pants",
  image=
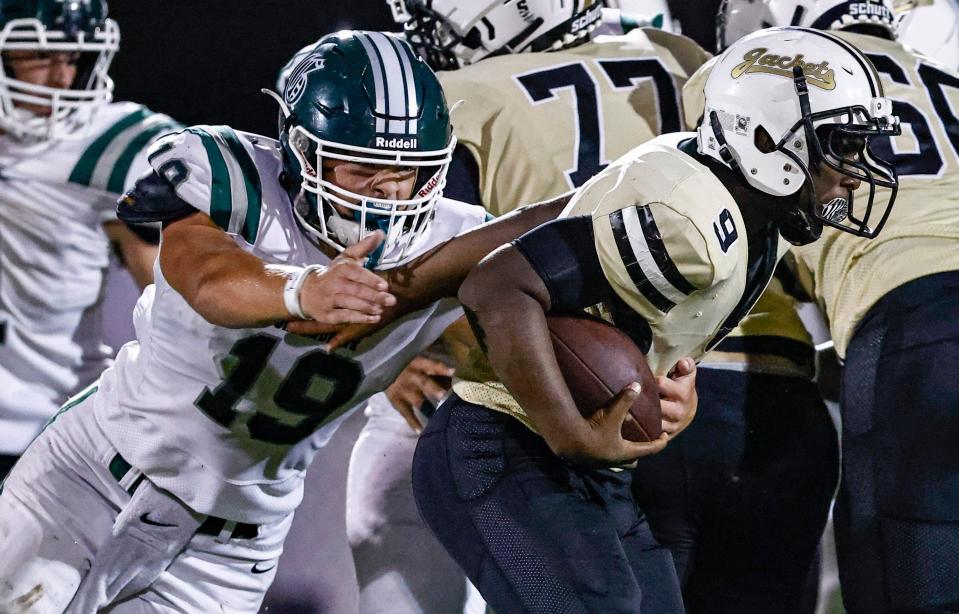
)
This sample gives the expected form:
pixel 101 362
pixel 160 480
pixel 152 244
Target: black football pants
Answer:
pixel 897 512
pixel 531 532
pixel 742 495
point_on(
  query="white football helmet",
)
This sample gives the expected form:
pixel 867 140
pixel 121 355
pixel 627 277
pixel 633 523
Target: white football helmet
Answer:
pixel 932 28
pixel 821 102
pixel 737 18
pixel 453 33
pixel 79 27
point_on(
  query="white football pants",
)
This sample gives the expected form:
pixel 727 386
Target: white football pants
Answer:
pixel 59 505
pixel 400 566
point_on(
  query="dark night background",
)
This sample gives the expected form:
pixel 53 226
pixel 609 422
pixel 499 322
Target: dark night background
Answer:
pixel 204 61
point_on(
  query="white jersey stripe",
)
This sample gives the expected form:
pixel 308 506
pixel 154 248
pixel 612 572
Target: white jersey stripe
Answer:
pixel 392 65
pixel 637 240
pixel 237 183
pixel 114 150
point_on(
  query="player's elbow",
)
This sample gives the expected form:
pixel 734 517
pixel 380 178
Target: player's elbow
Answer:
pixel 503 279
pixel 211 308
pixel 477 289
pixel 470 293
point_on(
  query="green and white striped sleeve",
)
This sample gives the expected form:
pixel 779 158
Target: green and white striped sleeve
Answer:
pixel 117 156
pixel 212 170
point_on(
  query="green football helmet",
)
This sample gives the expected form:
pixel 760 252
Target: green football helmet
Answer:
pixel 364 97
pixel 56 26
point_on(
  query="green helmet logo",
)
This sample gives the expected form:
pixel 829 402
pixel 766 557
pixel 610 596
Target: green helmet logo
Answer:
pixel 365 98
pixel 297 81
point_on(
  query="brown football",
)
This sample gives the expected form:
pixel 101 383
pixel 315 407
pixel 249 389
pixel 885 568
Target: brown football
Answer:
pixel 597 361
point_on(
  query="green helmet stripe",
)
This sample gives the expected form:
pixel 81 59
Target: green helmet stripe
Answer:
pixel 251 182
pixel 121 168
pixel 379 79
pixel 221 206
pixel 83 172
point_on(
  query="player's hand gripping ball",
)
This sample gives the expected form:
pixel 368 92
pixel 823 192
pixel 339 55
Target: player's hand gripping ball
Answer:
pixel 597 361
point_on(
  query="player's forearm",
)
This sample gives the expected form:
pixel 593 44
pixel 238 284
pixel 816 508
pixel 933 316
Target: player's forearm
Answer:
pixel 440 272
pixel 225 285
pixel 137 255
pixel 506 305
pixel 238 291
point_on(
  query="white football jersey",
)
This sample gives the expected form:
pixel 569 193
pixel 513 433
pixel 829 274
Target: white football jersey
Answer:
pixel 54 199
pixel 229 419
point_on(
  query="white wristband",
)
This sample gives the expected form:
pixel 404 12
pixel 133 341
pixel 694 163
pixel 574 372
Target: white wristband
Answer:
pixel 293 287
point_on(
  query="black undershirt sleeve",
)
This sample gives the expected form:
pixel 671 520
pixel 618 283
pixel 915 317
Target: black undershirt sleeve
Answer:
pixel 563 254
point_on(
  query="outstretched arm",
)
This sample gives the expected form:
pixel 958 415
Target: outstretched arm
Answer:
pixel 232 288
pixel 439 272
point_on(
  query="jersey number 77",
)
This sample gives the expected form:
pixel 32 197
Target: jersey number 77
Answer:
pixel 589 157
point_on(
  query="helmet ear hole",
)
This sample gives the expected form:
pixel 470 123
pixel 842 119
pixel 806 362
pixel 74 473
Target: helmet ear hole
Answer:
pixel 763 141
pixel 473 39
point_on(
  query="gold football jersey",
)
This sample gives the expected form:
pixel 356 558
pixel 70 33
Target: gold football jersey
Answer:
pixel 672 244
pixel 848 274
pixel 772 338
pixel 540 124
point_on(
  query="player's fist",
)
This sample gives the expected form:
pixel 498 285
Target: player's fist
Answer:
pixel 677 396
pixel 602 444
pixel 346 292
pixel 424 379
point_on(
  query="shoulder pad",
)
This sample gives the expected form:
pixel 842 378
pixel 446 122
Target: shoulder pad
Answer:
pixel 211 168
pixel 108 159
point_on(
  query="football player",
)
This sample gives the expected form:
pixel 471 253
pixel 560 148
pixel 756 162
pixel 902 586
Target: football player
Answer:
pixel 543 110
pixel 66 153
pixel 170 483
pixel 743 497
pixel 674 241
pixel 558 110
pixel 892 309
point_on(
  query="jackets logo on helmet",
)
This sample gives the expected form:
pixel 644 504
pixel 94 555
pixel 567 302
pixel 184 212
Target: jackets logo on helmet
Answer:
pixel 296 84
pixel 757 60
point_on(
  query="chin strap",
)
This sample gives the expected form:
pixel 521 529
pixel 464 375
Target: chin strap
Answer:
pixel 802 91
pixel 724 152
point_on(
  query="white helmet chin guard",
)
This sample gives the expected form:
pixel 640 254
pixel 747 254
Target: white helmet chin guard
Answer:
pixel 737 18
pixel 450 34
pixel 71 109
pixel 820 102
